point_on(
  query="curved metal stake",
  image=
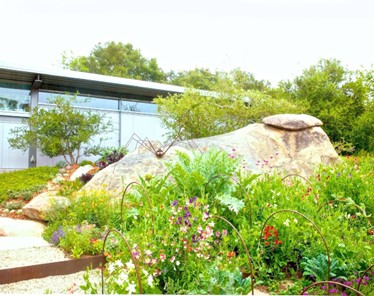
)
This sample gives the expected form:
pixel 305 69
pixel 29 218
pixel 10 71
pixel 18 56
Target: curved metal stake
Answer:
pixel 314 225
pixel 245 248
pixel 331 282
pixel 132 259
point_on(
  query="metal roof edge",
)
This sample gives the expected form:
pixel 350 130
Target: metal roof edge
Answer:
pixel 54 71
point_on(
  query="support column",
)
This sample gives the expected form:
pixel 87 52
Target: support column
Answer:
pixel 34 98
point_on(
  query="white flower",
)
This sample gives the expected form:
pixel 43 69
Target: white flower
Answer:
pixel 287 222
pixel 131 288
pixel 122 278
pixel 184 229
pixel 211 224
pixel 177 263
pixel 150 280
pixel 130 265
pixel 145 272
pixel 111 267
pixel 118 263
pixel 148 252
pixel 295 220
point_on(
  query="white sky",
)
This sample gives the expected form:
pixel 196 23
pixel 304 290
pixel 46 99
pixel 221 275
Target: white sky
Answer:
pixel 273 39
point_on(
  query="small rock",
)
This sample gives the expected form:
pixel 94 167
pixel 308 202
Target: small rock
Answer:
pixel 292 122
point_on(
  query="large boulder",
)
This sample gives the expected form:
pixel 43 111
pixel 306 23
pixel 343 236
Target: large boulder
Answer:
pixel 289 144
pixel 42 204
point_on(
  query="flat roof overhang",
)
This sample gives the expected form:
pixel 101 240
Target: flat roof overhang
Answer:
pixel 87 83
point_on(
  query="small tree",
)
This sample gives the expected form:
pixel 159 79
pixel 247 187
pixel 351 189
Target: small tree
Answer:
pixel 194 115
pixel 60 131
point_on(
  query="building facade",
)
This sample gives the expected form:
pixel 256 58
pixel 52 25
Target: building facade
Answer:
pixel 127 103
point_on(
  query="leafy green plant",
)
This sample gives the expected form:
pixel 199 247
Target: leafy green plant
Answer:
pixel 111 155
pixel 317 268
pixel 192 173
pixel 61 164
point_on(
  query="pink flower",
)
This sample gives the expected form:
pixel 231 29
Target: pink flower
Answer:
pixel 162 257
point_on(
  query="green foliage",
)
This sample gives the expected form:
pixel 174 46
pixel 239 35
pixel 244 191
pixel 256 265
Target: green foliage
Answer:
pixel 337 96
pixel 182 247
pixel 69 188
pixel 60 131
pixel 192 173
pixel 109 155
pixel 25 183
pixel 13 204
pixel 116 59
pixel 86 162
pixel 194 115
pixel 203 79
pixel 82 239
pixel 317 267
pixel 61 164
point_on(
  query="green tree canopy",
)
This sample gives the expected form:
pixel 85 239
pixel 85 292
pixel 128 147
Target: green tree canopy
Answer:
pixel 194 114
pixel 116 59
pixel 332 93
pixel 60 131
pixel 204 79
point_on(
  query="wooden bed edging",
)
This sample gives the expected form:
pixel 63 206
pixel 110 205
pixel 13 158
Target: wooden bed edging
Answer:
pixel 16 274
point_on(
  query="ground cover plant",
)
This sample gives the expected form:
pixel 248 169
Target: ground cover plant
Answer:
pixel 209 228
pixel 24 183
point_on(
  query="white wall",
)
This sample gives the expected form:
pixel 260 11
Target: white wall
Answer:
pixel 144 125
pixel 10 158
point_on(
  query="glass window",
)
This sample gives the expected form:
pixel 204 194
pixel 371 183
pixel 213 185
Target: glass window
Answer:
pixel 139 107
pixel 12 99
pixel 82 101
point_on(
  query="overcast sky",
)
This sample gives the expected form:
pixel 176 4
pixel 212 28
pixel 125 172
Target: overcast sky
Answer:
pixel 273 39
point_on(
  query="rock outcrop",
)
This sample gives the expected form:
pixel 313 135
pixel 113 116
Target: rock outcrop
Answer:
pixel 42 204
pixel 287 143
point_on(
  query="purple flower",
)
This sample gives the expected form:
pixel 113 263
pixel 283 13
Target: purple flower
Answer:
pixel 366 278
pixel 57 235
pixel 195 238
pixel 323 287
pixel 333 291
pixel 192 199
pixel 344 294
pixel 187 214
pixel 348 283
pixel 174 203
pixel 218 233
pixel 224 232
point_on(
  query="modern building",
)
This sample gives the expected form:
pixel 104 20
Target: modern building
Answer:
pixel 126 102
